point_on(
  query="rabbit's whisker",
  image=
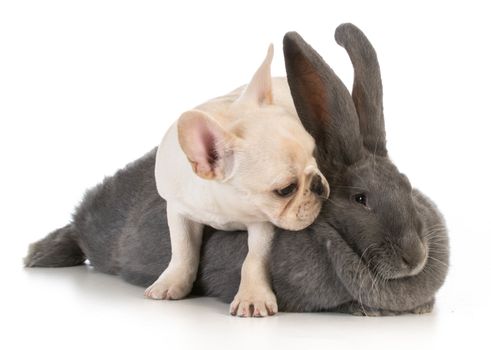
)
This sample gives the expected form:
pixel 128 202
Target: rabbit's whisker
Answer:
pixel 354 187
pixel 336 204
pixel 438 260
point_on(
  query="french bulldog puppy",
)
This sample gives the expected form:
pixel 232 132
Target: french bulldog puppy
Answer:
pixel 242 161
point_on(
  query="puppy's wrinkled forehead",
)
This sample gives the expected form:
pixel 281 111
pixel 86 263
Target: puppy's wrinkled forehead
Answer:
pixel 280 151
pixel 280 138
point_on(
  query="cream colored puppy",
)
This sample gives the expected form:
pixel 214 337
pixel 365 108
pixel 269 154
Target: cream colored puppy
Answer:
pixel 240 161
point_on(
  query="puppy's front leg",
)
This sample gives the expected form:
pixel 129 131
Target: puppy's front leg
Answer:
pixel 255 296
pixel 177 280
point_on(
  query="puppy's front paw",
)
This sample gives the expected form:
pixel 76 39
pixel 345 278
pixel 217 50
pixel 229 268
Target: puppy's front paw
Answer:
pixel 169 287
pixel 254 303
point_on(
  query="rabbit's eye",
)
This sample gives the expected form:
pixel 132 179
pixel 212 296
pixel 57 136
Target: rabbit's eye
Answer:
pixel 360 198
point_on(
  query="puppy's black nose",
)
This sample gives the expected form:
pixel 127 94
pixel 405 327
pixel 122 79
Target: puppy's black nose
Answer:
pixel 316 186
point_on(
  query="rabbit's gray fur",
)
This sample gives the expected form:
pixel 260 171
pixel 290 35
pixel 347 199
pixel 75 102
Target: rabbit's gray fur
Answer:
pixel 352 259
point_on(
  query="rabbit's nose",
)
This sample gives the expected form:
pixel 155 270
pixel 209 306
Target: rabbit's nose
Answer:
pixel 414 255
pixel 411 260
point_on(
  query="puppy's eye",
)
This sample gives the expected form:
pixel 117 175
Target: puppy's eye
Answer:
pixel 287 191
pixel 360 198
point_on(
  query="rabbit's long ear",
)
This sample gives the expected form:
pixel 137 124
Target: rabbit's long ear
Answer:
pixel 367 86
pixel 323 103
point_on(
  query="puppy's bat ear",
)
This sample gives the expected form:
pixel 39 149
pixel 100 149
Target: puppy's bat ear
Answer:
pixel 259 89
pixel 323 104
pixel 208 147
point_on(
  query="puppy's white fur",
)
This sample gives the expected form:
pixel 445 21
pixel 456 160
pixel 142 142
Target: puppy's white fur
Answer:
pixel 222 164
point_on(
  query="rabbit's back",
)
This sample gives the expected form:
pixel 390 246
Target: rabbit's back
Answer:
pixel 109 217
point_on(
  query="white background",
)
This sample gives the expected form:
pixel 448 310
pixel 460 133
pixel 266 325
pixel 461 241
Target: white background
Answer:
pixel 87 86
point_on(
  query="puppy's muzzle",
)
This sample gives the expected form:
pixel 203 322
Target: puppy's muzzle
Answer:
pixel 319 187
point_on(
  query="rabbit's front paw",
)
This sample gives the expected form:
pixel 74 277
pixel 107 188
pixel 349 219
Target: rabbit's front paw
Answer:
pixel 254 302
pixel 425 308
pixel 169 286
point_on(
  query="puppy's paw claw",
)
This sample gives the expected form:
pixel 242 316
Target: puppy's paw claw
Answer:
pixel 156 292
pixel 272 308
pixel 258 306
pixel 168 290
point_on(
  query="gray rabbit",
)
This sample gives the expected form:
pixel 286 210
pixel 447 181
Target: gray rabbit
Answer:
pixel 378 247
